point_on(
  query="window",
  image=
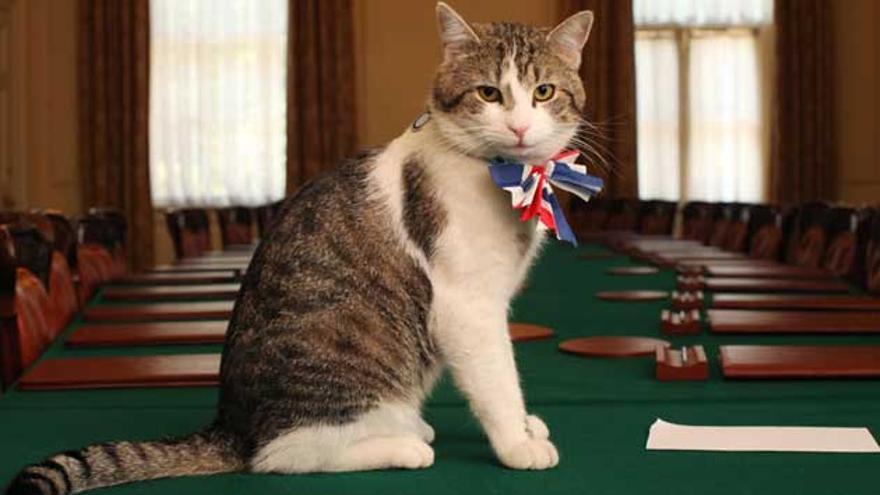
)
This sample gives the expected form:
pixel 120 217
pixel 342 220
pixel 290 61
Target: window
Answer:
pixel 217 102
pixel 702 124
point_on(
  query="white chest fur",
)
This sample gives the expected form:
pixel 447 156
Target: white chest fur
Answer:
pixel 483 246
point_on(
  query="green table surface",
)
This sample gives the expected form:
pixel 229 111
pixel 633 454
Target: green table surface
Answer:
pixel 598 411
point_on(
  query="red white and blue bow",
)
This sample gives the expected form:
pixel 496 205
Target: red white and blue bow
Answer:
pixel 525 183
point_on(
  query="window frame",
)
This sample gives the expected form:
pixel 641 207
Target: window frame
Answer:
pixel 682 36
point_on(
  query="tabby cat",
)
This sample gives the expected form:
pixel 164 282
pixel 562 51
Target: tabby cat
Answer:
pixel 375 278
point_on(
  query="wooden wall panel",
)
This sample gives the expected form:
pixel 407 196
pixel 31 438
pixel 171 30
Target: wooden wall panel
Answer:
pixel 7 173
pixel 857 32
pixel 398 51
pixel 43 91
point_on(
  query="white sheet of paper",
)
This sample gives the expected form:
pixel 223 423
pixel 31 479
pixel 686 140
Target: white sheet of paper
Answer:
pixel 670 436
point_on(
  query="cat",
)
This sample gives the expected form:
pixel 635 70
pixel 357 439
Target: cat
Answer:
pixel 376 277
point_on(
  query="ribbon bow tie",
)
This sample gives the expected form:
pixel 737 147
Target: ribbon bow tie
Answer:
pixel 530 191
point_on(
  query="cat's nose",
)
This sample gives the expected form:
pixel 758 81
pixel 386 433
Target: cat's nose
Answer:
pixel 519 131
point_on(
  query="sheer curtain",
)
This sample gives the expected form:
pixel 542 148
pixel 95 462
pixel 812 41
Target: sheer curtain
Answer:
pixel 657 105
pixel 725 153
pixel 702 13
pixel 702 132
pixel 217 102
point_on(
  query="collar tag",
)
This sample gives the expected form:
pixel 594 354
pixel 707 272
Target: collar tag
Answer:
pixel 420 121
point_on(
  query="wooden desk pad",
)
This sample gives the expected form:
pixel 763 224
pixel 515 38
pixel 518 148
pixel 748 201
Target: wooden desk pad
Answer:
pixel 210 332
pixel 160 311
pixel 632 295
pixel 522 332
pixel 171 292
pixel 193 370
pixel 745 361
pixel 727 284
pixel 144 334
pixel 632 270
pixel 746 321
pixel 734 262
pixel 164 269
pixel 768 271
pixel 613 346
pixel 237 259
pixel 680 250
pixel 206 277
pixel 796 301
pixel 666 260
pixel 231 253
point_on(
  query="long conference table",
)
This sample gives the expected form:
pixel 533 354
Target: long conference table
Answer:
pixel 599 411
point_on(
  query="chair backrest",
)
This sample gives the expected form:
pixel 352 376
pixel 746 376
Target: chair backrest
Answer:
pixel 59 282
pixel 807 243
pixel 99 247
pixel 622 215
pixel 236 224
pixel 737 236
pixel 765 232
pixel 585 217
pixel 726 215
pixel 190 231
pixel 64 236
pixel 62 292
pixel 656 217
pixel 266 216
pixel 33 251
pixel 842 234
pixel 698 218
pixel 872 255
pixel 116 222
pixel 9 354
pixel 107 227
pixel 27 312
pixel 95 267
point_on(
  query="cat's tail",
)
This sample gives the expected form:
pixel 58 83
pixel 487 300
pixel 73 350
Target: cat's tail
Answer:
pixel 115 463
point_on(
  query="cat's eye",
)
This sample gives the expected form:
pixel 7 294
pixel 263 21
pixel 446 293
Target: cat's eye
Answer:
pixel 489 93
pixel 544 92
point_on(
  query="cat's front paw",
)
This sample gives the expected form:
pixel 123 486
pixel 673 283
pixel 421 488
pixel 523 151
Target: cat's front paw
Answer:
pixel 534 453
pixel 536 428
pixel 426 432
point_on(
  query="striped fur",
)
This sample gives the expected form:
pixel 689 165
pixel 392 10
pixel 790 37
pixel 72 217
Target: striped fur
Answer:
pixel 114 463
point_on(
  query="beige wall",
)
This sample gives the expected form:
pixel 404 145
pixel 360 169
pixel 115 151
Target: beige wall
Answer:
pixel 857 25
pixel 43 105
pixel 398 51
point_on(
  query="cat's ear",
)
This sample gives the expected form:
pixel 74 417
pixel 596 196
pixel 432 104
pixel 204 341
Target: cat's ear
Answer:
pixel 454 31
pixel 570 36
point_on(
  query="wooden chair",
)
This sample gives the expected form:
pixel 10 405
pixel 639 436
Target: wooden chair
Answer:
pixel 266 216
pixel 101 242
pixel 808 238
pixel 236 226
pixel 698 218
pixel 113 234
pixel 26 311
pixel 63 283
pixel 765 232
pixel 726 215
pixel 737 235
pixel 656 217
pixel 190 232
pixel 622 215
pixel 587 218
pixel 872 255
pixel 842 233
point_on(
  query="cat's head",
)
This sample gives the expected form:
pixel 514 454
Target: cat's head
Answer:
pixel 507 89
